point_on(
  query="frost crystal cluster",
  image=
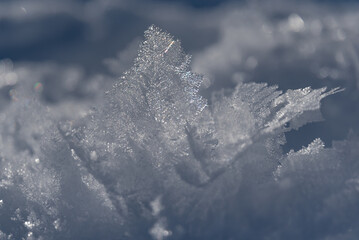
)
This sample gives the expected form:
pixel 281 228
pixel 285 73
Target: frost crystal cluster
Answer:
pixel 154 160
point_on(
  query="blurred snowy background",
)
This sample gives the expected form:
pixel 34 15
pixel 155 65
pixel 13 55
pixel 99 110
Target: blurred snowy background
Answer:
pixel 68 53
pixel 77 48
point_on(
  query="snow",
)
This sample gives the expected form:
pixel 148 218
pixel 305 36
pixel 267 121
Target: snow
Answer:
pixel 153 159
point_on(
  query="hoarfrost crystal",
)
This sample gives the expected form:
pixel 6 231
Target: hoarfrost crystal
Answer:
pixel 153 160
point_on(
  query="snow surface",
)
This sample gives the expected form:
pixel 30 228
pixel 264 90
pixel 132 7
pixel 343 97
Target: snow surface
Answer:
pixel 152 159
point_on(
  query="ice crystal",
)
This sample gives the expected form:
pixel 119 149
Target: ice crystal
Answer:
pixel 153 160
pixel 161 81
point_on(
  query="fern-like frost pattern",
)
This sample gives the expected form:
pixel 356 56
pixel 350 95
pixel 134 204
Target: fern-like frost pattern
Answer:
pixel 154 160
